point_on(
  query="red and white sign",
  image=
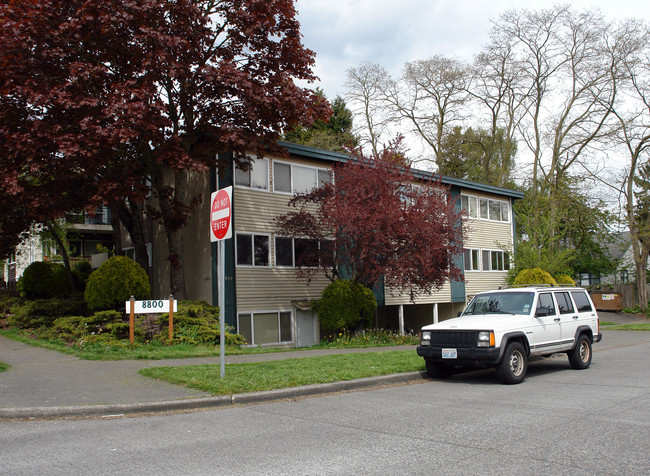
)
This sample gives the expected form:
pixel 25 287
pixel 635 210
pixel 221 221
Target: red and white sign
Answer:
pixel 220 213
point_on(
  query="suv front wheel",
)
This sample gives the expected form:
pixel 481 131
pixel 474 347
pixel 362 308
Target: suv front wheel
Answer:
pixel 514 365
pixel 438 370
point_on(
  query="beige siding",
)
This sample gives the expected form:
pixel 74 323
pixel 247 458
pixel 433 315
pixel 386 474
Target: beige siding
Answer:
pixel 260 289
pixel 443 295
pixel 268 288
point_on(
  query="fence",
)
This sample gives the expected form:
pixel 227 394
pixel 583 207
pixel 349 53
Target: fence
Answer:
pixel 8 289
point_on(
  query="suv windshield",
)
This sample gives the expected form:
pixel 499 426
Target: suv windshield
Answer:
pixel 500 303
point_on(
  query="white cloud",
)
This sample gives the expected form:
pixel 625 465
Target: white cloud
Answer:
pixel 345 32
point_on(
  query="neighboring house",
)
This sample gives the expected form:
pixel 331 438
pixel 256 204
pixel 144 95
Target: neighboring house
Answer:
pixel 620 252
pixel 267 303
pixel 85 235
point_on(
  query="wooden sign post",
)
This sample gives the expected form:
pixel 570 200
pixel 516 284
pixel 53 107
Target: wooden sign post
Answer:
pixel 151 306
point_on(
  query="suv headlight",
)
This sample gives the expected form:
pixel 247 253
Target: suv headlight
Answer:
pixel 425 338
pixel 485 339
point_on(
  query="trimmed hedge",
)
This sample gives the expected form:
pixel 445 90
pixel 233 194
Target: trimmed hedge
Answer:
pixel 534 276
pixel 564 279
pixel 344 305
pixel 114 282
pixel 43 312
pixel 44 280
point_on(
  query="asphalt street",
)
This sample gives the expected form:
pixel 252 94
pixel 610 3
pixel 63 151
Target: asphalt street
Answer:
pixel 559 421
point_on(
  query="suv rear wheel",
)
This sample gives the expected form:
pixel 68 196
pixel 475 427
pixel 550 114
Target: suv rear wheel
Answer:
pixel 514 365
pixel 580 356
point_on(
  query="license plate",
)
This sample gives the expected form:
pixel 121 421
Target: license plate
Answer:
pixel 449 354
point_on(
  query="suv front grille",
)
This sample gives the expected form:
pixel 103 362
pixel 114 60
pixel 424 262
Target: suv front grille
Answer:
pixel 454 338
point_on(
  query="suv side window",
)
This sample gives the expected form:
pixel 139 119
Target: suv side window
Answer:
pixel 564 303
pixel 582 301
pixel 545 306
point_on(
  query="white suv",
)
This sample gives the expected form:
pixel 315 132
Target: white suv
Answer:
pixel 504 328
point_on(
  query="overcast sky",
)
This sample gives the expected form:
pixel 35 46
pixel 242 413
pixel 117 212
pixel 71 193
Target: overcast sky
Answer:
pixel 391 32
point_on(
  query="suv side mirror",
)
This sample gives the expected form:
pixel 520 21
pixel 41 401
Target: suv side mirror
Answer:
pixel 541 312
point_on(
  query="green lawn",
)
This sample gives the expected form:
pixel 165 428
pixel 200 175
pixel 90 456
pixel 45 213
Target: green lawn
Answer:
pixel 255 377
pixel 4 367
pixel 645 326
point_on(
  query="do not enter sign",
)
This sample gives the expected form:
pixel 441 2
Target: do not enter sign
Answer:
pixel 220 213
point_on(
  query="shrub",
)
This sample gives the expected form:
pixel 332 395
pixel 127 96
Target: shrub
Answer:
pixel 564 279
pixel 80 273
pixel 114 282
pixel 534 276
pixel 73 328
pixel 197 322
pixel 43 280
pixel 345 305
pixel 43 312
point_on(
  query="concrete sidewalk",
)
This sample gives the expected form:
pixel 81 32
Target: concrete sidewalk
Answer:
pixel 47 384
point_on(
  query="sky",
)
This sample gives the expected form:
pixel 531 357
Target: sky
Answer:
pixel 343 33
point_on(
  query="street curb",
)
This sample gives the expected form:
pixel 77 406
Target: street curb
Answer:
pixel 115 410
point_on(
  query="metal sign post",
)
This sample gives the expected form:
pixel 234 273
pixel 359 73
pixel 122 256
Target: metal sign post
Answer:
pixel 220 230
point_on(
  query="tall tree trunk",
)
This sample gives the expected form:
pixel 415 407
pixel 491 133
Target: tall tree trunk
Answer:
pixel 176 264
pixel 54 231
pixel 132 218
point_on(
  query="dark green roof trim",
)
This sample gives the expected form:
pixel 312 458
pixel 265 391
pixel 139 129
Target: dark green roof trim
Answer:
pixel 328 155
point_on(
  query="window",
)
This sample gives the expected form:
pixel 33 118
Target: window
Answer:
pixel 284 252
pixel 471 259
pixel 252 250
pixel 494 210
pixel 262 328
pixel 564 303
pixel 303 252
pixel 306 253
pixel 545 306
pixel 582 301
pixel 292 178
pixel 469 205
pixel 495 260
pixel 257 176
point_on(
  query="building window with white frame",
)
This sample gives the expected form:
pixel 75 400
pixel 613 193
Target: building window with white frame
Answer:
pixel 293 178
pixel 264 328
pixel 304 252
pixel 252 249
pixel 494 210
pixel 471 259
pixel 257 175
pixel 495 260
pixel 469 205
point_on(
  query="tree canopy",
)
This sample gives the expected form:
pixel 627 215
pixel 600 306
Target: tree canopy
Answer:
pixel 333 134
pixel 376 221
pixel 100 100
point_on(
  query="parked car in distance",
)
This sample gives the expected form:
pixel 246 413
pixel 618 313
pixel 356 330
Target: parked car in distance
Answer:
pixel 504 328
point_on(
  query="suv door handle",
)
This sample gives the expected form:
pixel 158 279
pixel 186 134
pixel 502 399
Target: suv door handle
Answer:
pixel 575 317
pixel 557 319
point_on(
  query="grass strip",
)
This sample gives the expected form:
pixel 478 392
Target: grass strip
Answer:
pixel 4 367
pixel 156 350
pixel 644 326
pixel 127 351
pixel 272 375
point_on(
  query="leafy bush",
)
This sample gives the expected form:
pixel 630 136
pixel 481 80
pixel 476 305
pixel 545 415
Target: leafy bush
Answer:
pixel 43 312
pixel 114 282
pixel 534 276
pixel 80 273
pixel 345 305
pixel 108 323
pixel 8 303
pixel 43 280
pixel 564 279
pixel 197 322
